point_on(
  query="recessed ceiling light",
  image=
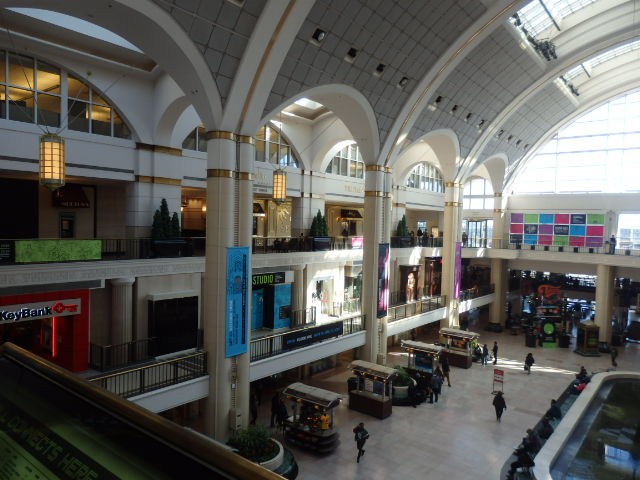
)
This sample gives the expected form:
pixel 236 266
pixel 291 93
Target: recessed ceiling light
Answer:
pixel 318 36
pixel 468 117
pixel 403 82
pixel 379 69
pixel 351 55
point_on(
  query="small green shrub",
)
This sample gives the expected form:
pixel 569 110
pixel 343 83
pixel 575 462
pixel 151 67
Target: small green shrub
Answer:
pixel 254 443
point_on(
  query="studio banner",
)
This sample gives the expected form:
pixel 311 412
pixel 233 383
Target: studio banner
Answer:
pixel 237 326
pixel 383 280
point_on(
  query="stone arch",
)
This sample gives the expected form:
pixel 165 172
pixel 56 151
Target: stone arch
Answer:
pixel 492 169
pixel 439 147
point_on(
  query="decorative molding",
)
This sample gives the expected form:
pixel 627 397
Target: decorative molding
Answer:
pixel 377 168
pixel 159 149
pixel 158 180
pixel 452 204
pixel 376 193
pixel 497 194
pixel 220 173
pixel 245 176
pixel 498 210
pixel 246 139
pixel 218 134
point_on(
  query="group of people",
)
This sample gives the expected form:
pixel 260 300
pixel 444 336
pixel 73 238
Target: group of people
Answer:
pixel 532 441
pixel 429 389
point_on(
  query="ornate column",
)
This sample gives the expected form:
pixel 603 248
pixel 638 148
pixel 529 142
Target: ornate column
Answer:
pixel 604 300
pixel 497 314
pixel 299 286
pixel 377 229
pixel 229 207
pixel 121 310
pixel 452 208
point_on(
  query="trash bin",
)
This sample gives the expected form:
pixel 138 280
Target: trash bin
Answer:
pixel 530 340
pixel 564 341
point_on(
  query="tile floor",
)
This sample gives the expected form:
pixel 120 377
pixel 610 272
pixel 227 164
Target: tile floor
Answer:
pixel 457 438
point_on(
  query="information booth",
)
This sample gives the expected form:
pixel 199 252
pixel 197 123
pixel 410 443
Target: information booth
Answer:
pixel 370 392
pixel 423 357
pixel 587 341
pixel 311 425
pixel 459 343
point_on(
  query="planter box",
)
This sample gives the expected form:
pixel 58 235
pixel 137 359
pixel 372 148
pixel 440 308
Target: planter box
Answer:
pixel 401 242
pixel 172 248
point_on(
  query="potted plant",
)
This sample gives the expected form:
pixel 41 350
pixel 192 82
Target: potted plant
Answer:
pixel 319 232
pixel 401 384
pixel 403 236
pixel 255 443
pixel 166 238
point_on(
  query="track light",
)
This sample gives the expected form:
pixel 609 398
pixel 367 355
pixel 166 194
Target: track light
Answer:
pixel 481 123
pixel 403 82
pixel 454 108
pixel 468 117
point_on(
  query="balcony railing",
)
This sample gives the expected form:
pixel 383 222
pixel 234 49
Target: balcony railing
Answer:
pixel 294 339
pixel 424 305
pixel 154 377
pixel 108 357
pixel 476 292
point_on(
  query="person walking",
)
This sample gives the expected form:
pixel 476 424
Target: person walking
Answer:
pixel 485 354
pixel 445 369
pixel 612 245
pixel 495 352
pixel 436 385
pixel 614 355
pixel 499 404
pixel 528 362
pixel 360 436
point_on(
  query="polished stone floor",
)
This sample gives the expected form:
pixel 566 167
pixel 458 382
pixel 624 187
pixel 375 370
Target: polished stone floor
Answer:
pixel 457 438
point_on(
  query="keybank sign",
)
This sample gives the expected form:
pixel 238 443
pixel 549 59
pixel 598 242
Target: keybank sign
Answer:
pixel 35 311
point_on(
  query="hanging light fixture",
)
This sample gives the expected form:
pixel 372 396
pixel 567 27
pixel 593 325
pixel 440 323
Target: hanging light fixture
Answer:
pixel 52 161
pixel 279 175
pixel 279 186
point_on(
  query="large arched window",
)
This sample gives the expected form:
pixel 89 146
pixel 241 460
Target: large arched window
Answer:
pixel 597 153
pixel 31 91
pixel 426 176
pixel 478 195
pixel 272 147
pixel 347 162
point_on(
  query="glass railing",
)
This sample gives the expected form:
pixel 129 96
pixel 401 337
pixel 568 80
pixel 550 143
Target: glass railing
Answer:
pixel 148 378
pixel 108 357
pixel 411 309
pixel 276 344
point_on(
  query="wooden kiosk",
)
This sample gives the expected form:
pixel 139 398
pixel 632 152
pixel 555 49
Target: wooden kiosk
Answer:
pixel 311 425
pixel 459 351
pixel 423 357
pixel 371 392
pixel 587 339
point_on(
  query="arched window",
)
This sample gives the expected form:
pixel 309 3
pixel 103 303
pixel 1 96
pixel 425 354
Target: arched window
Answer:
pixel 598 152
pixel 31 91
pixel 478 195
pixel 347 162
pixel 426 176
pixel 196 140
pixel 273 147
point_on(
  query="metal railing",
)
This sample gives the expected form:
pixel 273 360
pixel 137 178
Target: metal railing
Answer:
pixel 424 305
pixel 301 318
pixel 476 292
pixel 271 345
pixel 107 357
pixel 154 377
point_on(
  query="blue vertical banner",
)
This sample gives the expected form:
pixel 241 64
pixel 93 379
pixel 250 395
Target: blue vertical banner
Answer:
pixel 383 279
pixel 457 275
pixel 237 321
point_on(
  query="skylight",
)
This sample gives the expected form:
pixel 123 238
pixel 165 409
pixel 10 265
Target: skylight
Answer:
pixel 540 15
pixel 590 64
pixel 76 25
pixel 310 104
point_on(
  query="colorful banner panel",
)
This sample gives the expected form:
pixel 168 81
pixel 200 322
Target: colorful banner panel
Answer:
pixel 559 229
pixel 458 271
pixel 237 326
pixel 383 280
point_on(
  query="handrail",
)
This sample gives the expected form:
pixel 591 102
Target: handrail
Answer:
pixel 139 380
pixel 424 305
pixel 107 357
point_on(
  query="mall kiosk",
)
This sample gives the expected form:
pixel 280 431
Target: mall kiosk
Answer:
pixel 459 343
pixel 587 339
pixel 370 393
pixel 311 424
pixel 423 357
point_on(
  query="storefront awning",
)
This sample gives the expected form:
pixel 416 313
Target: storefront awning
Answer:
pixel 70 196
pixel 454 332
pixel 258 211
pixel 373 369
pixel 431 348
pixel 350 214
pixel 324 398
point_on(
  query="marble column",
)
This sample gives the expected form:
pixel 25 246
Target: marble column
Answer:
pixel 605 291
pixel 452 207
pixel 499 280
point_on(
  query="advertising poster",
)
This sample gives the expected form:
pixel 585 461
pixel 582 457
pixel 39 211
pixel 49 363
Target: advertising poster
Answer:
pixel 383 280
pixel 237 327
pixel 458 270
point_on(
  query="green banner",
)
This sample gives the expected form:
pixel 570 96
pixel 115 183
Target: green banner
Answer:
pixel 42 251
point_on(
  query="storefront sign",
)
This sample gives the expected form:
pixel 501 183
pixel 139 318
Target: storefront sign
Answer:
pixel 35 311
pixel 272 278
pixel 237 323
pixel 301 338
pixel 498 375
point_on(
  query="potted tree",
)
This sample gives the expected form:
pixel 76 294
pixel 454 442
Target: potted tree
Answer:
pixel 403 236
pixel 166 238
pixel 256 444
pixel 319 232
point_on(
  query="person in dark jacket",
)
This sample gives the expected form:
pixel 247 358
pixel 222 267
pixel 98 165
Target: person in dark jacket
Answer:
pixel 360 436
pixel 436 385
pixel 554 410
pixel 445 369
pixel 528 362
pixel 499 404
pixel 495 352
pixel 522 460
pixel 546 429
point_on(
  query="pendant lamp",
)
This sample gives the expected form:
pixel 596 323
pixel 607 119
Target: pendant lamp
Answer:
pixel 52 161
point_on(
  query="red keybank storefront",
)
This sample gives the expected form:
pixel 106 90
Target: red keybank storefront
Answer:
pixel 52 325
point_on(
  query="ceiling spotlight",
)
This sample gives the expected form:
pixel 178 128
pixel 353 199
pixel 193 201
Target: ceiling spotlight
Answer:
pixel 454 108
pixel 351 55
pixel 468 117
pixel 509 138
pixel 481 123
pixel 403 82
pixel 318 36
pixel 379 69
pixel 438 99
pixel 499 134
pixel 518 143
